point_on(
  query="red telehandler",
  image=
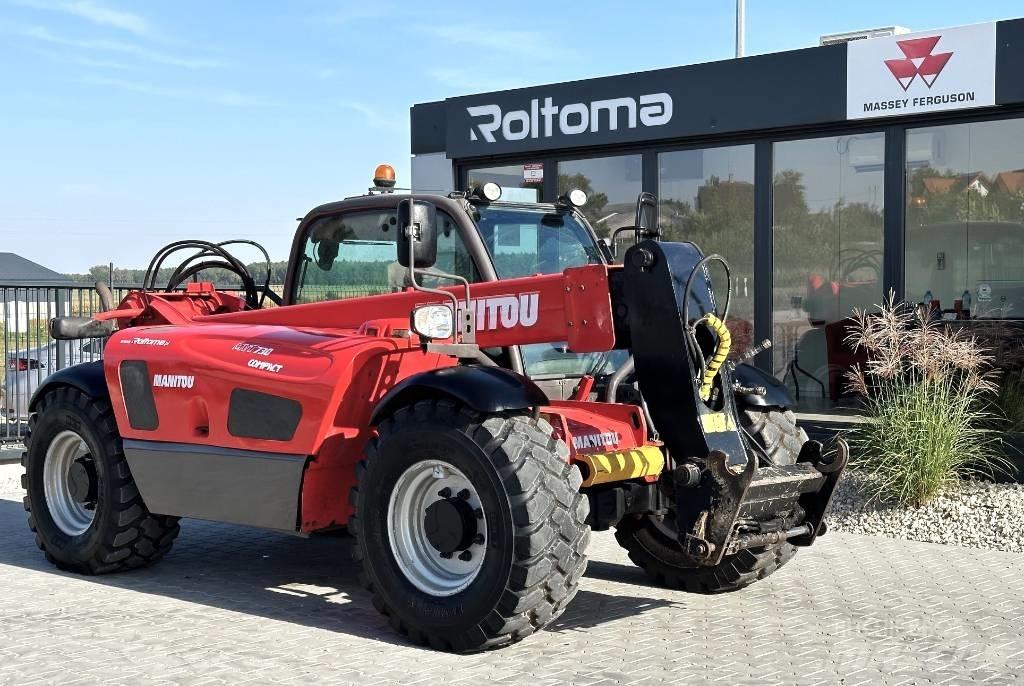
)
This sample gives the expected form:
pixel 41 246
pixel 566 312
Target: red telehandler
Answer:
pixel 497 389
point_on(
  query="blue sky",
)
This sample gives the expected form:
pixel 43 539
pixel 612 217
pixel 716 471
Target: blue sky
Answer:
pixel 124 125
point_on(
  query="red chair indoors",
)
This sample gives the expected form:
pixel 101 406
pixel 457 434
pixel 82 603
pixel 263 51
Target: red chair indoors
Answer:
pixel 841 356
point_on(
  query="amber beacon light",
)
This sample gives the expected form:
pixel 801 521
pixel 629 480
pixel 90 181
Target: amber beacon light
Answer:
pixel 384 176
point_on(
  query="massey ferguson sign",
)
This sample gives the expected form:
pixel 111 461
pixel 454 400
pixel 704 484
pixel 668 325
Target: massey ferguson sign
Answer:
pixel 922 72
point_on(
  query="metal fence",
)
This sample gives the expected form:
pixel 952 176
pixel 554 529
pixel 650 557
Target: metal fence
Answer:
pixel 30 354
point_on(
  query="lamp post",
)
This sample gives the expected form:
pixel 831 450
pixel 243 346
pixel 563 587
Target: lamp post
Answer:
pixel 741 21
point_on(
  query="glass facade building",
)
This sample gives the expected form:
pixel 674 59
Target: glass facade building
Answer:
pixel 818 210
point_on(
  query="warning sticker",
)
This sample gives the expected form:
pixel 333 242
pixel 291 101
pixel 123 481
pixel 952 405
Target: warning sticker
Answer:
pixel 533 173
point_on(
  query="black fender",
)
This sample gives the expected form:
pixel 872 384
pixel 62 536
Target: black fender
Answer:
pixel 86 377
pixel 776 393
pixel 484 389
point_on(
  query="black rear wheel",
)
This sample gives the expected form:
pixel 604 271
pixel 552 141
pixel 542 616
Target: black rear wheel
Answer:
pixel 775 431
pixel 651 541
pixel 82 502
pixel 470 528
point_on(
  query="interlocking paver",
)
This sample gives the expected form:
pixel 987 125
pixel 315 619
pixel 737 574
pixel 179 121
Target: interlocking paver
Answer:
pixel 234 605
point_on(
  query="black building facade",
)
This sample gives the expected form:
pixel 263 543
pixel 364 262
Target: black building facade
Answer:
pixel 827 176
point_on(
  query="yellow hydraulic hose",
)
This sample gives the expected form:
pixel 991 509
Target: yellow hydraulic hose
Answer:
pixel 721 353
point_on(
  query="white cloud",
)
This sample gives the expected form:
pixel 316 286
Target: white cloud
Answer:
pixel 355 12
pixel 471 80
pixel 377 120
pixel 81 189
pixel 529 46
pixel 83 61
pixel 97 14
pixel 225 97
pixel 42 34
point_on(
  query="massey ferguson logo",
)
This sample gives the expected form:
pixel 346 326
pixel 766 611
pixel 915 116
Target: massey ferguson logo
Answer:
pixel 924 72
pixel 918 61
pixel 173 381
pixel 542 120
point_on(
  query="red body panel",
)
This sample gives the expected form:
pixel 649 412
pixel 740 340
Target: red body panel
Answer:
pixel 589 427
pixel 338 359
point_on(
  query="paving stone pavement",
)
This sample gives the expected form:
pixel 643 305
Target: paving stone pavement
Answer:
pixel 232 605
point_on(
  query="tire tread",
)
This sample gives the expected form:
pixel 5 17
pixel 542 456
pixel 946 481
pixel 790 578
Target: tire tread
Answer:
pixel 136 537
pixel 550 536
pixel 776 432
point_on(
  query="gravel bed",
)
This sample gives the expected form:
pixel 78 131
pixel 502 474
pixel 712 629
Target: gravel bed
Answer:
pixel 10 479
pixel 977 515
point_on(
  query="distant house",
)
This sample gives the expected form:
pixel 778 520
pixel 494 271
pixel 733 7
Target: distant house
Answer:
pixel 28 291
pixel 1010 181
pixel 973 181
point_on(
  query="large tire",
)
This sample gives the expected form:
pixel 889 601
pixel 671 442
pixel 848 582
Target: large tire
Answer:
pixel 775 431
pixel 534 513
pixel 122 533
pixel 652 544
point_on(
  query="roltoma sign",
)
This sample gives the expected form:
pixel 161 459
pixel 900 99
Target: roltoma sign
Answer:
pixel 661 104
pixel 543 118
pixel 922 72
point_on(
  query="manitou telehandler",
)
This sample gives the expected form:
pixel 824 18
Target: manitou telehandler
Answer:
pixel 468 436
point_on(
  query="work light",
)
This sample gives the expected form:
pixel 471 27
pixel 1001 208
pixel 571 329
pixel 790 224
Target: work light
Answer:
pixel 433 321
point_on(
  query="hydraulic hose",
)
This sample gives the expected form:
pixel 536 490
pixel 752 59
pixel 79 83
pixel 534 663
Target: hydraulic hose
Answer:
pixel 719 356
pixel 611 394
pixel 714 322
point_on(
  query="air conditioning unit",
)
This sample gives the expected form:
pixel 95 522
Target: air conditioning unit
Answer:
pixel 885 32
pixel 925 148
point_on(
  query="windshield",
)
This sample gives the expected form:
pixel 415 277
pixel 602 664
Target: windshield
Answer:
pixel 525 241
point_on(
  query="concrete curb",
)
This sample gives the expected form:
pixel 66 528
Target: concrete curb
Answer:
pixel 11 454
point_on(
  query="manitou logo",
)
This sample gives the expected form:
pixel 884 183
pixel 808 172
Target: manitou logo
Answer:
pixel 543 120
pixel 506 311
pixel 605 440
pixel 918 61
pixel 173 381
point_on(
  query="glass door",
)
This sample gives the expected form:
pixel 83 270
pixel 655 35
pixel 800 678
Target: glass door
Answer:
pixel 827 229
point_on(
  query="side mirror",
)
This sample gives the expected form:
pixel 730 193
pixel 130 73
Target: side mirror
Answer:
pixel 419 218
pixel 77 328
pixel 646 216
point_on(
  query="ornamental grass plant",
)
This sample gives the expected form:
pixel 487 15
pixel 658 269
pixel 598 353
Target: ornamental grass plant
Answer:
pixel 929 393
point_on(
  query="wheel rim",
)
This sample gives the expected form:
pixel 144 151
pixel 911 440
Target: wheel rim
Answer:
pixel 72 515
pixel 421 492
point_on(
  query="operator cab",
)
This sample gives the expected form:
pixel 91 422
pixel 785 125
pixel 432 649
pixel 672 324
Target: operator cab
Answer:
pixel 350 249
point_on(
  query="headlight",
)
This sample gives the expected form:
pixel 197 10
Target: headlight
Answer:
pixel 490 191
pixel 577 198
pixel 433 321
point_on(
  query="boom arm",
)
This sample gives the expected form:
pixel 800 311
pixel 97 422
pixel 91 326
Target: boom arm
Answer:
pixel 574 306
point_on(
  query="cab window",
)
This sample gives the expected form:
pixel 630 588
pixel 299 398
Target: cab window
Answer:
pixel 355 254
pixel 529 241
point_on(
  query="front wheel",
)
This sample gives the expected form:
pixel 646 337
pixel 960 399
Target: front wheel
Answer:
pixel 82 502
pixel 470 528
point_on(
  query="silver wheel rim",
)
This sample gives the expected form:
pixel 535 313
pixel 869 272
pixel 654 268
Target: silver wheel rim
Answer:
pixel 70 516
pixel 423 565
